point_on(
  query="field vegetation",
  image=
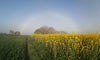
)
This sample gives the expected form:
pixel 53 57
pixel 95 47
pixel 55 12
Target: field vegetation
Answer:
pixel 64 47
pixel 12 47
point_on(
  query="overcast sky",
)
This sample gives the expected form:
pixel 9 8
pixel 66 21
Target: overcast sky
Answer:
pixel 67 15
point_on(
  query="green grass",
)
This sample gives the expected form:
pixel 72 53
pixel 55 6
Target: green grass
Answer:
pixel 38 51
pixel 12 47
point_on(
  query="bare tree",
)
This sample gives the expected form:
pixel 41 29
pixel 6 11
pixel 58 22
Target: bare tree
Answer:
pixel 11 32
pixel 17 33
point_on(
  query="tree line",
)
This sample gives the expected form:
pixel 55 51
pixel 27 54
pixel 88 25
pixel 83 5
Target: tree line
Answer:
pixel 11 32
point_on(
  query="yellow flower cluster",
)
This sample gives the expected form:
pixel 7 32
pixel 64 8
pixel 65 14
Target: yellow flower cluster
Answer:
pixel 72 44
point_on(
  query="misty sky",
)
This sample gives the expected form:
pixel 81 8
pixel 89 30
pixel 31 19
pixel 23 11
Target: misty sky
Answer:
pixel 67 15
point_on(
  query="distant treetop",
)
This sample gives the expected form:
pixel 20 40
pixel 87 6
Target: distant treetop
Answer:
pixel 46 30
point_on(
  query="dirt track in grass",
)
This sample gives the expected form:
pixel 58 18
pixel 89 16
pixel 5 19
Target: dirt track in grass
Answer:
pixel 26 50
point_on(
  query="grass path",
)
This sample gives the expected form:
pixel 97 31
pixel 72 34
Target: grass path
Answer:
pixel 26 50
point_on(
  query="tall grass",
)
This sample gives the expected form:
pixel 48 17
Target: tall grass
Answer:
pixel 12 47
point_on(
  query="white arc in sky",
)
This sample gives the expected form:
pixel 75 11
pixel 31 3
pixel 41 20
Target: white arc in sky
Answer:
pixel 57 20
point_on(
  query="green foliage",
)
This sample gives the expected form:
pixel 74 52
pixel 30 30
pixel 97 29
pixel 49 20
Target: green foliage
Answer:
pixel 12 47
pixel 38 51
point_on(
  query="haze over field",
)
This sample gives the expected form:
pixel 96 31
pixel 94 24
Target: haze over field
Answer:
pixel 65 15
